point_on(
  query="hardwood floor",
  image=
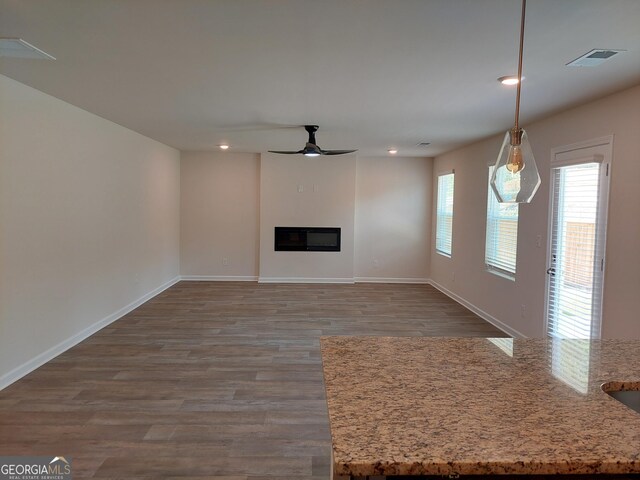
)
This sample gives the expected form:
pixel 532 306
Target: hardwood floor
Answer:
pixel 211 380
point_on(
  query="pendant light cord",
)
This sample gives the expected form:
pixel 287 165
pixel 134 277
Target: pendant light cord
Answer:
pixel 524 8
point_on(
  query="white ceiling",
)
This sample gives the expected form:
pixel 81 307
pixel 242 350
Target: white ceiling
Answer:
pixel 372 73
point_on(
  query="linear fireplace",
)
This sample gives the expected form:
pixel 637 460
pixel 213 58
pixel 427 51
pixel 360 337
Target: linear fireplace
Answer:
pixel 307 239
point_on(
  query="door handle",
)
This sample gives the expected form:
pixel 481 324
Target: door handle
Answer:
pixel 551 271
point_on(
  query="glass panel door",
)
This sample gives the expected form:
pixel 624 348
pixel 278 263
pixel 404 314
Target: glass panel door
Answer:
pixel 576 261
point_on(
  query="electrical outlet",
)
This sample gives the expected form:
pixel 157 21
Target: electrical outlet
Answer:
pixel 523 311
pixel 376 264
pixel 225 261
pixel 539 241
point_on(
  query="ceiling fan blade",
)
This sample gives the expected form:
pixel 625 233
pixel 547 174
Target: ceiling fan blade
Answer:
pixel 284 152
pixel 337 152
pixel 250 127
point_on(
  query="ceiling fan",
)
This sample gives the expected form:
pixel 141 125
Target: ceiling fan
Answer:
pixel 311 149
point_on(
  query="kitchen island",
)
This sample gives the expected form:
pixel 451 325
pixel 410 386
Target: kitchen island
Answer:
pixel 475 406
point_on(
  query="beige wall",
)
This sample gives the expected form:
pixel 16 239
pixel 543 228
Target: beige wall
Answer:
pixel 464 274
pixel 390 199
pixel 219 215
pixel 393 218
pixel 90 224
pixel 327 199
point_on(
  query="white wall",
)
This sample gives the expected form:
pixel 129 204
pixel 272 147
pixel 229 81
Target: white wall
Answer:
pixel 330 204
pixel 90 224
pixel 219 215
pixel 618 114
pixel 393 218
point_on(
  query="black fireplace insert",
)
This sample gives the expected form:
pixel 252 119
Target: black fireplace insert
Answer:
pixel 307 239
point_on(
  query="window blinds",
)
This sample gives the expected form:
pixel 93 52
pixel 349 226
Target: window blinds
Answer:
pixel 502 234
pixel 444 214
pixel 575 274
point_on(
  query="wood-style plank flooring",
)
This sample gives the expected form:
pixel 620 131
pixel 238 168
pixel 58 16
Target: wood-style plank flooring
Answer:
pixel 211 380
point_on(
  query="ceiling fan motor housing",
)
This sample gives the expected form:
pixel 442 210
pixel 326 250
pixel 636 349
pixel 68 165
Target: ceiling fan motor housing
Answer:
pixel 312 148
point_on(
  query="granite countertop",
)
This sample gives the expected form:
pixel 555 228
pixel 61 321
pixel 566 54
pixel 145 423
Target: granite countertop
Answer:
pixel 475 406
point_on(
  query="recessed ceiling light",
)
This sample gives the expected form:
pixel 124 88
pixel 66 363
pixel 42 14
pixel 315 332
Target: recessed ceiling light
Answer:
pixel 224 146
pixel 18 48
pixel 393 151
pixel 509 80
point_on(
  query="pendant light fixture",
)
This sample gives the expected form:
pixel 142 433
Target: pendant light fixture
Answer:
pixel 515 176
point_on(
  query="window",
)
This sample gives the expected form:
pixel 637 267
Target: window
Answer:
pixel 502 234
pixel 444 214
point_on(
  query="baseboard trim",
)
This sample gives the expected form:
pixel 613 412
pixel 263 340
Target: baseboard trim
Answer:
pixel 512 332
pixel 218 278
pixel 29 366
pixel 390 280
pixel 303 280
pixel 222 278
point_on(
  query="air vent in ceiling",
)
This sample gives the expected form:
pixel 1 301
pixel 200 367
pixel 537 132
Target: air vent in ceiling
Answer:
pixel 423 144
pixel 18 48
pixel 594 57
